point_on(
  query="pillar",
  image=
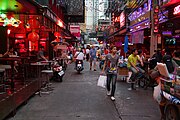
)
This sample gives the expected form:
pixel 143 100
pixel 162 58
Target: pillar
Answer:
pixel 154 36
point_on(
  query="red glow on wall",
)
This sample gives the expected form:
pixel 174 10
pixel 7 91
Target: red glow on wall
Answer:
pixel 171 2
pixel 20 35
pixel 34 23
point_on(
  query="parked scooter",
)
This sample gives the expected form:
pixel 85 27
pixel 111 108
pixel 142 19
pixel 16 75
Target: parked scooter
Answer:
pixel 58 70
pixel 79 65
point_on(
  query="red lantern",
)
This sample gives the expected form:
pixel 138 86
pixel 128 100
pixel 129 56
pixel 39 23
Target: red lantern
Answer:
pixel 33 37
pixel 57 34
pixel 34 23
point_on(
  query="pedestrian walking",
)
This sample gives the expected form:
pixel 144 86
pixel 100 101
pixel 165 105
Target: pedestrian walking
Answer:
pixel 98 54
pixel 110 67
pixel 93 58
pixel 87 53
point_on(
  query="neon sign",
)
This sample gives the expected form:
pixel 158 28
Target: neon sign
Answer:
pixel 176 10
pixel 117 19
pixel 145 8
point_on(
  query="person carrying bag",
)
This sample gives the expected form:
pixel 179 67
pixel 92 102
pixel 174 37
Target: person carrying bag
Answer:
pixel 111 63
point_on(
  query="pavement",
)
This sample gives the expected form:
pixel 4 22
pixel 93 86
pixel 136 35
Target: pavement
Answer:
pixel 79 98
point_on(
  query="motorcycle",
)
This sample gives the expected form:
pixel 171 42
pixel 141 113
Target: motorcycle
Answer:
pixel 58 70
pixel 79 65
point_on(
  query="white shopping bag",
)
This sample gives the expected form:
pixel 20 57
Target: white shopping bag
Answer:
pixel 102 81
pixel 157 93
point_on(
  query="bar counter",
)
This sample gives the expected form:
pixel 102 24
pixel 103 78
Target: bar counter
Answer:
pixel 20 90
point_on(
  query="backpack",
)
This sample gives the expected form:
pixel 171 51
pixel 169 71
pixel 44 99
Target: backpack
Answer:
pixel 167 59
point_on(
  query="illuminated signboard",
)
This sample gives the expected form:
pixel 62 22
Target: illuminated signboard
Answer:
pixel 163 16
pixel 55 19
pixel 75 30
pixel 122 19
pixel 176 10
pixel 145 8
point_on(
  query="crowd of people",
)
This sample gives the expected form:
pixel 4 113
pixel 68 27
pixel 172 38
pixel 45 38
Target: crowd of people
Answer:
pixel 137 63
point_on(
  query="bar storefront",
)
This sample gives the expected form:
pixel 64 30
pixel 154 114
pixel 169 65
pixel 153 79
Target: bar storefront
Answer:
pixel 139 28
pixel 170 29
pixel 26 29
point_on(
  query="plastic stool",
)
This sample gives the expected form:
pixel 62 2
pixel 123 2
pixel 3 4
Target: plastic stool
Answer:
pixel 48 86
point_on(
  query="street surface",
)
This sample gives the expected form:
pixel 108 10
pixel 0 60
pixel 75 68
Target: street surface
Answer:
pixel 79 98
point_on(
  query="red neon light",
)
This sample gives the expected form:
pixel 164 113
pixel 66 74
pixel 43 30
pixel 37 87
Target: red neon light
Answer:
pixel 117 19
pixel 176 10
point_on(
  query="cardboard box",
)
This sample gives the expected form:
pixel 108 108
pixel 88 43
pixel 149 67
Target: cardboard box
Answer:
pixel 123 71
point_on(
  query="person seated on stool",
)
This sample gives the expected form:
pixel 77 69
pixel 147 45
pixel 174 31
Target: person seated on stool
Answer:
pixel 40 54
pixel 10 52
pixel 132 62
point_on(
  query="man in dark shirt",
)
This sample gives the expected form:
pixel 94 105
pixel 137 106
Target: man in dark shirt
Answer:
pixel 40 55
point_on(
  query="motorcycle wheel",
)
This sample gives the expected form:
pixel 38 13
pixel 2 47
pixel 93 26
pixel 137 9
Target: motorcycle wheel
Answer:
pixel 171 113
pixel 142 82
pixel 79 71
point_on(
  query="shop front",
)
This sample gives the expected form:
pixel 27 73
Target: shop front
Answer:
pixel 120 36
pixel 118 32
pixel 139 28
pixel 26 28
pixel 170 29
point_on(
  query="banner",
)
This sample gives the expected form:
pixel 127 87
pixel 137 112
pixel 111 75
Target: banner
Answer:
pixel 138 37
pixel 75 30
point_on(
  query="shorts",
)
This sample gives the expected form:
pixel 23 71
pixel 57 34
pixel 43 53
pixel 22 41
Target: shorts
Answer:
pixel 92 60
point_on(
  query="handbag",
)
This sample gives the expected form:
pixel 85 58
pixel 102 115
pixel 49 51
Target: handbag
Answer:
pixel 102 81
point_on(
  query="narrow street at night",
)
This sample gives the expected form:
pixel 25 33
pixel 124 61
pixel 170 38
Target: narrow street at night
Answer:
pixel 79 98
pixel 90 60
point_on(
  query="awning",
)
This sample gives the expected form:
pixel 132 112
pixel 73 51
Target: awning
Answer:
pixel 171 2
pixel 118 32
